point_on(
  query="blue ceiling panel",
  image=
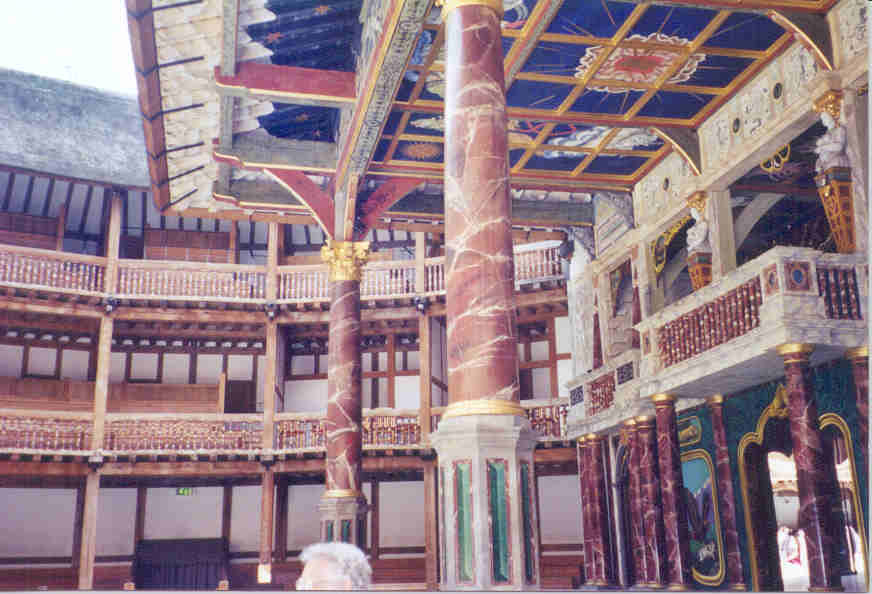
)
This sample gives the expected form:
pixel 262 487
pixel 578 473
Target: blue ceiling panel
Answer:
pixel 514 156
pixel 672 21
pixel 381 150
pixel 615 165
pixel 559 59
pixel 536 95
pixel 430 124
pixel 422 49
pixel 563 131
pixel 392 122
pixel 605 102
pixel 555 161
pixel 666 104
pixel 717 71
pixel 593 18
pixel 429 152
pixel 747 31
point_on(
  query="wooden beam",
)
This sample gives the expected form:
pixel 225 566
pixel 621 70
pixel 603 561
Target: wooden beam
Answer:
pixel 226 511
pixel 272 262
pixel 77 526
pixel 374 521
pixel 267 497
pixel 552 358
pixel 270 384
pixel 289 84
pixel 385 196
pixel 139 525
pixel 392 370
pixel 113 243
pixel 101 381
pixel 431 527
pixel 89 532
pixel 280 550
pixel 298 184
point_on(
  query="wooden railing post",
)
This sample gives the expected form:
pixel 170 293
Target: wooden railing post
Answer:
pixel 420 266
pixel 425 381
pixel 113 244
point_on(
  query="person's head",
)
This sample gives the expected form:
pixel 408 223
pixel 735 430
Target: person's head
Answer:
pixel 334 566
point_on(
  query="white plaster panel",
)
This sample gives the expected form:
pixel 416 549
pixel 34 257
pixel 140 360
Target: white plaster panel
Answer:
pixel 176 368
pixel 117 363
pixel 366 361
pixel 563 335
pixel 74 364
pixel 412 361
pixel 245 518
pixel 302 365
pixel 303 516
pixel 436 396
pixel 398 502
pixel 407 391
pixel 168 515
pixel 41 361
pixel 521 351
pixel 539 350
pixel 852 29
pixel 564 374
pixel 306 396
pixel 143 366
pixel 560 509
pixel 208 369
pixel 116 521
pixel 541 382
pixel 261 370
pixel 11 357
pixel 37 522
pixel 239 367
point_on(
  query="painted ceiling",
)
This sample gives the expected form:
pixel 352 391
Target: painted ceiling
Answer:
pixel 598 91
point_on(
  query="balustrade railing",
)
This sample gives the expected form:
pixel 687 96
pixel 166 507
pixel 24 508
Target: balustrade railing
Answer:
pixel 390 429
pixel 303 283
pixel 728 316
pixel 841 293
pixel 549 420
pixel 388 279
pixel 67 433
pixel 435 270
pixel 59 271
pixel 538 265
pixel 146 279
pixel 182 433
pixel 299 433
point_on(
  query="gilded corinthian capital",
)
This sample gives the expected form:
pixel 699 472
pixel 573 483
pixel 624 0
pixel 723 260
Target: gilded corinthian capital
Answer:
pixel 345 258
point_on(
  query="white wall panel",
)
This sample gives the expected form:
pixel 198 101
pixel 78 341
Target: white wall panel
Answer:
pixel 261 369
pixel 399 502
pixel 560 509
pixel 564 374
pixel 539 350
pixel 303 516
pixel 208 369
pixel 303 365
pixel 563 334
pixel 306 396
pixel 239 367
pixel 37 522
pixel 41 361
pixel 117 362
pixel 116 521
pixel 11 357
pixel 168 515
pixel 143 366
pixel 245 519
pixel 541 382
pixel 176 368
pixel 407 391
pixel 74 364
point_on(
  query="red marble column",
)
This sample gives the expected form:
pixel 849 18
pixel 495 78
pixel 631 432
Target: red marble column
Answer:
pixel 586 523
pixel 811 474
pixel 734 578
pixel 859 359
pixel 637 530
pixel 652 520
pixel 599 500
pixel 479 277
pixel 344 412
pixel 672 494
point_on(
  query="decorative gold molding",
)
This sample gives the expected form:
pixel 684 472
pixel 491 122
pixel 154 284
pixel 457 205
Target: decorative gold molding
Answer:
pixel 449 5
pixel 795 351
pixel 861 352
pixel 777 161
pixel 345 259
pixel 642 419
pixel 663 398
pixel 483 406
pixel 716 399
pixel 630 422
pixel 831 102
pixel 722 562
pixel 658 246
pixel 341 493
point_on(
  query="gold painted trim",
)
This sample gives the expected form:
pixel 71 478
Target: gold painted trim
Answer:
pixel 345 259
pixel 677 147
pixel 261 93
pixel 644 419
pixel 807 41
pixel 825 420
pixel 630 422
pixel 690 434
pixel 483 406
pixel 341 493
pixel 716 399
pixel 795 351
pixel 718 579
pixel 259 165
pixel 861 352
pixel 449 5
pixel 831 102
pixel 663 398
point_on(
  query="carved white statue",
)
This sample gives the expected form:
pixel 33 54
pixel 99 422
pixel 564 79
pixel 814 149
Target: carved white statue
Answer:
pixel 697 236
pixel 830 147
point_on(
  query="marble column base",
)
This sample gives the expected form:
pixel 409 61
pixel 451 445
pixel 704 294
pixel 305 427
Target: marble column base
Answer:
pixel 487 503
pixel 344 519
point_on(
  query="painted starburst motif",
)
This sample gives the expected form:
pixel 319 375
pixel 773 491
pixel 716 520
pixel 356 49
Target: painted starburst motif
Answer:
pixel 639 65
pixel 322 9
pixel 422 151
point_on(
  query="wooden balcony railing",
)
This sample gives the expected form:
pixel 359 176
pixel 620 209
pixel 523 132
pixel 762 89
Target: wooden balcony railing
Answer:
pixel 45 431
pixel 607 386
pixel 387 428
pixel 47 269
pixel 547 417
pixel 64 272
pixel 841 292
pixel 174 433
pixel 150 279
pixel 299 431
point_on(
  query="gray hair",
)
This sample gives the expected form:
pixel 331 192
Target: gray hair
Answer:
pixel 351 561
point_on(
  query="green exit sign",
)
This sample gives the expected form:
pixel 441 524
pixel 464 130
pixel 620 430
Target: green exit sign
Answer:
pixel 185 491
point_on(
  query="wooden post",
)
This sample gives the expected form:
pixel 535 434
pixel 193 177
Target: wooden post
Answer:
pixel 101 381
pixel 392 369
pixel 270 377
pixel 374 533
pixel 89 532
pixel 62 224
pixel 113 243
pixel 431 528
pixel 222 391
pixel 420 265
pixel 425 380
pixel 267 498
pixel 281 539
pixel 552 357
pixel 77 525
pixel 272 262
pixel 139 526
pixel 233 248
pixel 226 511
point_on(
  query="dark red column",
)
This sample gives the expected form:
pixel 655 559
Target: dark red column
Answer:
pixel 479 265
pixel 637 531
pixel 672 494
pixel 652 518
pixel 599 510
pixel 859 359
pixel 734 578
pixel 813 480
pixel 586 522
